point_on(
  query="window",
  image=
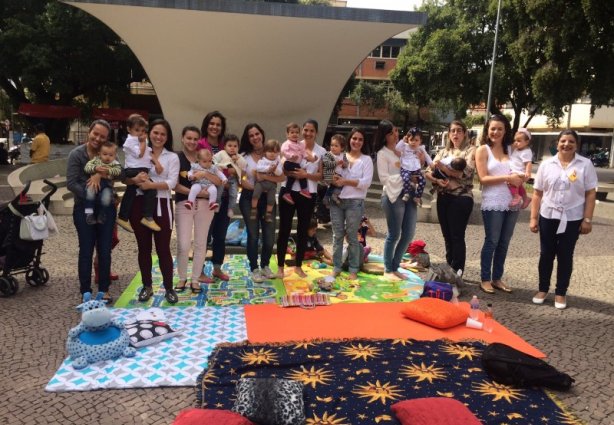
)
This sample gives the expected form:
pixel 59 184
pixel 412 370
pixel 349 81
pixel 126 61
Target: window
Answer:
pixel 376 53
pixel 395 52
pixel 380 65
pixel 385 51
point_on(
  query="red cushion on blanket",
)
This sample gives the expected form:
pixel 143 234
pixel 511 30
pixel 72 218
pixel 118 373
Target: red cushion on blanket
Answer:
pixel 433 411
pixel 435 312
pixel 210 416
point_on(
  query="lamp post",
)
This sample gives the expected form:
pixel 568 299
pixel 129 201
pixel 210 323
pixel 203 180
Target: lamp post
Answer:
pixel 492 65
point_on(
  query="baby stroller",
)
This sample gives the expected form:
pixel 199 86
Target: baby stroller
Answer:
pixel 18 255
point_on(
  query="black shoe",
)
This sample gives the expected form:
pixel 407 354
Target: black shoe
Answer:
pixel 181 288
pixel 90 219
pixel 171 296
pixel 145 294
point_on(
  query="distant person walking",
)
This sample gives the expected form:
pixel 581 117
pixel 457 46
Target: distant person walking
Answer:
pixel 41 145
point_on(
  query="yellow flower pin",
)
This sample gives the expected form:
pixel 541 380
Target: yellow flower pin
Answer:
pixel 573 176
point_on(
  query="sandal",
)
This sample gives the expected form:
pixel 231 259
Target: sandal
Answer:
pixel 171 296
pixel 220 275
pixel 487 290
pixel 182 287
pixel 145 294
pixel 501 286
pixel 195 289
pixel 108 298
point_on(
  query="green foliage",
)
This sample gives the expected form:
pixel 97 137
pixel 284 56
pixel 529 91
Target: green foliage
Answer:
pixel 56 54
pixel 549 54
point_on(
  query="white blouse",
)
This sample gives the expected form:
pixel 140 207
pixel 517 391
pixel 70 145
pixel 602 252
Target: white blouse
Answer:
pixel 361 170
pixel 169 175
pixel 564 189
pixel 389 172
pixel 311 168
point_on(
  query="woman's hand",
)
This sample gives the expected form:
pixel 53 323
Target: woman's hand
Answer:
pixel 442 182
pixel 533 225
pixel 585 228
pixel 299 173
pixel 338 181
pixel 103 170
pixel 146 185
pixel 514 180
pixel 94 182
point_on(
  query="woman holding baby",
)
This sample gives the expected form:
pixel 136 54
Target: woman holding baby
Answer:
pixel 454 187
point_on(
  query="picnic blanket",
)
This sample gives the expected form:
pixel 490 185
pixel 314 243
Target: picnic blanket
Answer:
pixel 356 381
pixel 241 290
pixel 173 362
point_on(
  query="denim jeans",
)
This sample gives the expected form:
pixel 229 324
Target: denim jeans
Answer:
pixel 401 221
pixel 253 230
pixel 453 213
pixel 346 218
pixel 90 237
pixel 562 247
pixel 498 231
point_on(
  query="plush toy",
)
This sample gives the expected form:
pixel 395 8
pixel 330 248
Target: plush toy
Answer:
pixel 98 337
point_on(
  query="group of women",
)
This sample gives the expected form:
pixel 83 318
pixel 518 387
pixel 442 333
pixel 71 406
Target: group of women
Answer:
pixel 563 213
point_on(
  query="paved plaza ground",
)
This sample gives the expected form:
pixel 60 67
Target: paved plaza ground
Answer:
pixel 579 340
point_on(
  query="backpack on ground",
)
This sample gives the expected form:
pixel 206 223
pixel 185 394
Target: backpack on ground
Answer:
pixel 508 366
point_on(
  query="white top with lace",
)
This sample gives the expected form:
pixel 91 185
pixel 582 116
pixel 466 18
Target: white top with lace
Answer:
pixel 496 197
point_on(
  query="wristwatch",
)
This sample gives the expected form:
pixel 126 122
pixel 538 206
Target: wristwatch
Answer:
pixel 587 220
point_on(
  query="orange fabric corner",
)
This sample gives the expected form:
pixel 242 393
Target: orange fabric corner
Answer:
pixel 272 323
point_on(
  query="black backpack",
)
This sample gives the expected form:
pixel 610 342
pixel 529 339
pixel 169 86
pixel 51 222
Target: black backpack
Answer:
pixel 508 366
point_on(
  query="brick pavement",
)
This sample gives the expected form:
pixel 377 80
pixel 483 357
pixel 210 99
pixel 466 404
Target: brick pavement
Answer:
pixel 578 340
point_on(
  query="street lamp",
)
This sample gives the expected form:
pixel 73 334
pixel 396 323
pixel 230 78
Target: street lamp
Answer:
pixel 492 66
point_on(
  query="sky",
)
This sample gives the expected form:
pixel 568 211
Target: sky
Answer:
pixel 407 5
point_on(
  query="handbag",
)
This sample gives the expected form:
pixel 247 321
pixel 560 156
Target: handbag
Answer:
pixel 304 300
pixel 33 227
pixel 53 228
pixel 441 290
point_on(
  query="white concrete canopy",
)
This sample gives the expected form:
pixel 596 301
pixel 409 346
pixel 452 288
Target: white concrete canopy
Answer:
pixel 269 63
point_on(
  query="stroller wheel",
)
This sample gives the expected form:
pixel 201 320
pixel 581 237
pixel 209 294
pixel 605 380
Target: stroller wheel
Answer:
pixel 8 286
pixel 37 277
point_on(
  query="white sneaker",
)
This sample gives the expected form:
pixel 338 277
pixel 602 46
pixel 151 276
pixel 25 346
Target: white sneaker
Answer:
pixel 268 273
pixel 257 276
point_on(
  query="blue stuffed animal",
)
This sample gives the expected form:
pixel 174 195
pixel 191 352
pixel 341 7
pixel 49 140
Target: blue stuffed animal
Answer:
pixel 98 337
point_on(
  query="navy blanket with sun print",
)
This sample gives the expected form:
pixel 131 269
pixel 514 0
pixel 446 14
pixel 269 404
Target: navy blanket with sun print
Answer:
pixel 355 382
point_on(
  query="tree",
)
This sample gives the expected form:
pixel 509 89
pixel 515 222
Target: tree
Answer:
pixel 549 54
pixel 56 54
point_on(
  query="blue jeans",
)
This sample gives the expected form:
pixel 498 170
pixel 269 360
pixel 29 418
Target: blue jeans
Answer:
pixel 253 230
pixel 498 230
pixel 559 246
pixel 346 218
pixel 401 221
pixel 91 237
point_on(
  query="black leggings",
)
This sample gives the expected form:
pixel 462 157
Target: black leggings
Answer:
pixel 304 210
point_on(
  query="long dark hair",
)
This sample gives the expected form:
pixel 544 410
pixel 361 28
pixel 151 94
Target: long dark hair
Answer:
pixel 508 137
pixel 207 120
pixel 169 133
pixel 384 128
pixel 246 146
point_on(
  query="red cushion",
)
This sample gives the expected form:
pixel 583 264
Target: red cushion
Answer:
pixel 435 312
pixel 195 416
pixel 433 411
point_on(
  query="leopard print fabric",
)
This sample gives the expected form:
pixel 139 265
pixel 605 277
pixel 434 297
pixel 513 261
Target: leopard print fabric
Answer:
pixel 270 401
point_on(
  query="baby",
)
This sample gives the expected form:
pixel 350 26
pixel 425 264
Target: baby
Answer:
pixel 454 163
pixel 293 153
pixel 269 164
pixel 137 160
pixel 408 149
pixel 205 163
pixel 104 196
pixel 230 158
pixel 520 163
pixel 334 162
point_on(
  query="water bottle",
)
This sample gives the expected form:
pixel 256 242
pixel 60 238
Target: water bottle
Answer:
pixel 475 308
pixel 488 319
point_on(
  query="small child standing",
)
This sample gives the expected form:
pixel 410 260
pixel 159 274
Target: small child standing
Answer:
pixel 365 229
pixel 520 163
pixel 454 163
pixel 269 164
pixel 293 153
pixel 313 248
pixel 137 160
pixel 334 162
pixel 104 196
pixel 205 163
pixel 411 168
pixel 230 158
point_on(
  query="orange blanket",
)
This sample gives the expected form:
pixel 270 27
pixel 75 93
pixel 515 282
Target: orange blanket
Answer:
pixel 272 323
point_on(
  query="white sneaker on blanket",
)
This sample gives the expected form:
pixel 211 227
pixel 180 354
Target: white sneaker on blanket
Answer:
pixel 257 276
